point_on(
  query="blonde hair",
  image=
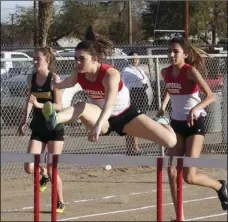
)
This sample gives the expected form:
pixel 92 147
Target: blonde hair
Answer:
pixel 49 54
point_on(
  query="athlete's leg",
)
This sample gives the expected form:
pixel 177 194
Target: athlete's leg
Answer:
pixel 56 147
pixel 88 114
pixel 35 147
pixel 194 146
pixel 178 150
pixel 144 127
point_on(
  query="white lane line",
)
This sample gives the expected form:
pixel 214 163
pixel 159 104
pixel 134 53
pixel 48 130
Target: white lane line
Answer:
pixel 132 209
pixel 90 200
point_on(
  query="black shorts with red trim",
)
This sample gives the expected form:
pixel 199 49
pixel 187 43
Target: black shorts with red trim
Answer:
pixel 117 123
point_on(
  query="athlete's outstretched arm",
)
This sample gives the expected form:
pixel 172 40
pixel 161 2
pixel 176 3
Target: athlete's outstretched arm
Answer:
pixel 111 85
pixel 28 108
pixel 68 82
pixel 194 75
pixel 166 96
pixel 29 105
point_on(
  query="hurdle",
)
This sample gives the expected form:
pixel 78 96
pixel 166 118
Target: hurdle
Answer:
pixel 114 160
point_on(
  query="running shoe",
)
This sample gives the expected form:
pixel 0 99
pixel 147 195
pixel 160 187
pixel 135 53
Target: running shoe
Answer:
pixel 223 195
pixel 43 183
pixel 60 207
pixel 49 115
pixel 162 120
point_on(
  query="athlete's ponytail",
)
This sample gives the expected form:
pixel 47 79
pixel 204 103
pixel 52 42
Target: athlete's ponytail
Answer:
pixel 95 44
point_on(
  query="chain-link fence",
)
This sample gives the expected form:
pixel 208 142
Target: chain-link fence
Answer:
pixel 156 47
pixel 14 87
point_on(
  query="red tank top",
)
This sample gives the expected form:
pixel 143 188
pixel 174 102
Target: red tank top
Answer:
pixel 95 90
pixel 181 84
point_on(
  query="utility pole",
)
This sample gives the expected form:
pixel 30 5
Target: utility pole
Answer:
pixel 186 19
pixel 130 21
pixel 12 29
pixel 35 23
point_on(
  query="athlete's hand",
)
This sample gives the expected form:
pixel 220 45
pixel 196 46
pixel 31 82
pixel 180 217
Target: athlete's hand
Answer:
pixel 94 134
pixel 34 101
pixel 21 129
pixel 54 81
pixel 193 115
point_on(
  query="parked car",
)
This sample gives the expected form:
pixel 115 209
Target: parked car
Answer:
pixel 12 68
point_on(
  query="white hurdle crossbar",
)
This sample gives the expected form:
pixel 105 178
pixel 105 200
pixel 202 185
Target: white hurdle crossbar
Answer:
pixel 93 159
pixel 114 160
pixel 202 162
pixel 90 159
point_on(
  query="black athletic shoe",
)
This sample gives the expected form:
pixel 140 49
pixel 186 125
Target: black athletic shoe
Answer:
pixel 43 183
pixel 60 207
pixel 223 195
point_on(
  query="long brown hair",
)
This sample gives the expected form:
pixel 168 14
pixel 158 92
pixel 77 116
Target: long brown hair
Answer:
pixel 195 57
pixel 95 45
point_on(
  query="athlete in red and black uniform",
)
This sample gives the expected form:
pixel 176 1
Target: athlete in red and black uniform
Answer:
pixel 183 82
pixel 109 108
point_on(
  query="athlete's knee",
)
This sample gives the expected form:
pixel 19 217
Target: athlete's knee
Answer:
pixel 171 141
pixel 189 177
pixel 49 169
pixel 29 168
pixel 172 173
pixel 80 107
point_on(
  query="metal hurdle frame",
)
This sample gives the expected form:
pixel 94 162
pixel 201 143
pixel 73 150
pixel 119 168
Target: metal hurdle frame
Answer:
pixel 159 162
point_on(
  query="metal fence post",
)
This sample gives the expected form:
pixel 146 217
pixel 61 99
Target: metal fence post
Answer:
pixel 158 89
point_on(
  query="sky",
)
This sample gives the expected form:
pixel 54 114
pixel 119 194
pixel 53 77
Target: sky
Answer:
pixel 9 7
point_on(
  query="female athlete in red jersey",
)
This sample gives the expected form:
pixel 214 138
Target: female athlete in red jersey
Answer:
pixel 109 108
pixel 183 82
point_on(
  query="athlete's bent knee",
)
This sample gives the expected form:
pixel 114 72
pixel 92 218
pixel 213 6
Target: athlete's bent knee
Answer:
pixel 29 168
pixel 80 104
pixel 171 142
pixel 49 169
pixel 189 178
pixel 172 173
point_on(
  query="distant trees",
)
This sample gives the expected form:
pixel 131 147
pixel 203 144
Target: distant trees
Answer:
pixel 71 18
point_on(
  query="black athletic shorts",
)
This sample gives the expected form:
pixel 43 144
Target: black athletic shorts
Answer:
pixel 182 128
pixel 117 123
pixel 47 136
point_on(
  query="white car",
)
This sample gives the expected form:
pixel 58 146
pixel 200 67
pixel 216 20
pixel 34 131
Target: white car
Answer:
pixel 7 66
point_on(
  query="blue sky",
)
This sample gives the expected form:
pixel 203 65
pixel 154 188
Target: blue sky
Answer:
pixel 9 7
